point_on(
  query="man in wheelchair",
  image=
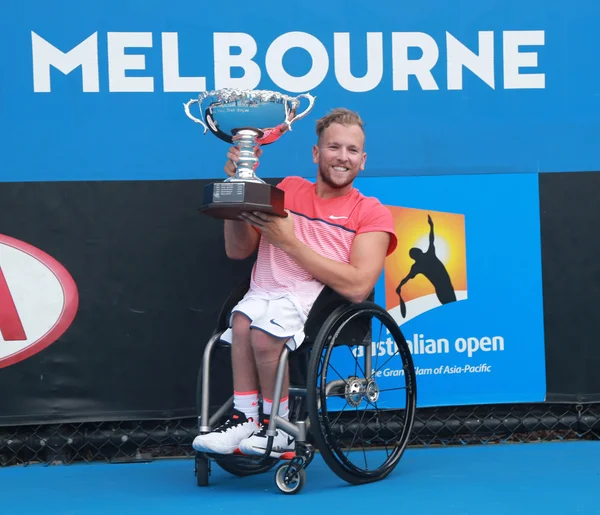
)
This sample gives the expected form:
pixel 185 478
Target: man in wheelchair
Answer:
pixel 333 236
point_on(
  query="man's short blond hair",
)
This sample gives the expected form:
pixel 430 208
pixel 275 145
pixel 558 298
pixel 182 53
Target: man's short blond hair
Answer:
pixel 339 115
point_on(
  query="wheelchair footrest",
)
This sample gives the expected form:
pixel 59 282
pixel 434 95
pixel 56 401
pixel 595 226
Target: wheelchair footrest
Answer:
pixel 286 456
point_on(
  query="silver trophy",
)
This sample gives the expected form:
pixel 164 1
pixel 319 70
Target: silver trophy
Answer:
pixel 248 119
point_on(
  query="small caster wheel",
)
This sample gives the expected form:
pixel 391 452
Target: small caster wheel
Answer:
pixel 202 470
pixel 289 485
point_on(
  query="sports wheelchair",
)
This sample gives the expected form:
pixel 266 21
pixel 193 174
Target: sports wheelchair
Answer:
pixel 340 416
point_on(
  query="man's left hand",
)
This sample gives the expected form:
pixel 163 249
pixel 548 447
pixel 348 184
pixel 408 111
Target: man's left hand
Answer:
pixel 276 230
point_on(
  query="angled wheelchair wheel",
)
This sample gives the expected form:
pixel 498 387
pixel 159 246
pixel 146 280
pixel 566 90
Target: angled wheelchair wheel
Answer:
pixel 289 481
pixel 361 396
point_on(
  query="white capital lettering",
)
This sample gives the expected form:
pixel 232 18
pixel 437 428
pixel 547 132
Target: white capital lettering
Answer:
pixel 460 56
pixel 308 42
pixel 119 62
pixel 46 55
pixel 172 82
pixel 402 66
pixel 513 59
pixel 343 73
pixel 224 61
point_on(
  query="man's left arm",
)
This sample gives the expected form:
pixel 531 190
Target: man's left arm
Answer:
pixel 354 280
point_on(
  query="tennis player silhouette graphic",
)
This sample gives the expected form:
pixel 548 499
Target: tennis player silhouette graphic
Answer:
pixel 429 265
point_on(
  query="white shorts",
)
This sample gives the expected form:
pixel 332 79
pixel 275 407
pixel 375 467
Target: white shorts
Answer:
pixel 281 317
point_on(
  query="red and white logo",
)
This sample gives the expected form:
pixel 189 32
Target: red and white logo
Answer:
pixel 38 300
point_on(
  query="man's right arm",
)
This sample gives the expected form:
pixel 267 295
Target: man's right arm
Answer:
pixel 241 239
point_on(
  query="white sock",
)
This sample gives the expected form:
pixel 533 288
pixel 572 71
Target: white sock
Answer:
pixel 284 407
pixel 247 403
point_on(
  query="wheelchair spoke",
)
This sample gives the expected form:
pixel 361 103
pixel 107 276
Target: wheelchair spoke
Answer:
pixel 381 427
pixel 357 431
pixel 340 414
pixel 388 360
pixel 356 363
pixel 338 374
pixel 365 456
pixel 393 389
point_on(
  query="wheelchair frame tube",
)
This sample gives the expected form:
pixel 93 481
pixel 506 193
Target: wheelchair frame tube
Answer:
pixel 368 360
pixel 281 369
pixel 220 412
pixel 297 430
pixel 333 385
pixel 205 425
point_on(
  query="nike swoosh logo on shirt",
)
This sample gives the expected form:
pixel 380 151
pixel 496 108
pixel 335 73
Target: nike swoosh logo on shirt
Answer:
pixel 333 217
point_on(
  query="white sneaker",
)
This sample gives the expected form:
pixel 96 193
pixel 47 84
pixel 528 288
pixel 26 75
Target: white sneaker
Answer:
pixel 257 443
pixel 226 438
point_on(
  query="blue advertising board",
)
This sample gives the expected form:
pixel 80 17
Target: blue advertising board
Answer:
pixel 486 343
pixel 95 91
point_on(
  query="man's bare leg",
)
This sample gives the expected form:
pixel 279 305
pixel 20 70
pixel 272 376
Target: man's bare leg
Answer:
pixel 245 378
pixel 244 421
pixel 267 351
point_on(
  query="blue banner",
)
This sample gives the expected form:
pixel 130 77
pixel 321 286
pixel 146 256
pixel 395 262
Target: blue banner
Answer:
pixel 472 303
pixel 95 91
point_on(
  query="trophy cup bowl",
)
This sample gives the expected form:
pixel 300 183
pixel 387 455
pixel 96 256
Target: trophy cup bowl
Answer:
pixel 247 119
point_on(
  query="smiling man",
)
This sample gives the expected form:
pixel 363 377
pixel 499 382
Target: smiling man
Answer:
pixel 333 236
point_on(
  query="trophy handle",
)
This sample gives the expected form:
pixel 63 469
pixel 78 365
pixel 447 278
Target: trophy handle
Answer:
pixel 197 120
pixel 311 103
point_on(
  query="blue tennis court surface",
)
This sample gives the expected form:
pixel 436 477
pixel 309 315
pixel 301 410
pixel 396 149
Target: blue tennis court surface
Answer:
pixel 561 478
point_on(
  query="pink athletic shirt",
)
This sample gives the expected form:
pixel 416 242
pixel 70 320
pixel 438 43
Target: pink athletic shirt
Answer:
pixel 327 226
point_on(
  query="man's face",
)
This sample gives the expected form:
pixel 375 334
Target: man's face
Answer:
pixel 340 154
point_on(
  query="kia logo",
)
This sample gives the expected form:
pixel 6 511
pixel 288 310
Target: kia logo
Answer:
pixel 38 300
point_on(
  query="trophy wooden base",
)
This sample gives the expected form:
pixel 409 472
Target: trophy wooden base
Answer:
pixel 226 200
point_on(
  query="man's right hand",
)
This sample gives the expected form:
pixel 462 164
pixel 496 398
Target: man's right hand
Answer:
pixel 233 156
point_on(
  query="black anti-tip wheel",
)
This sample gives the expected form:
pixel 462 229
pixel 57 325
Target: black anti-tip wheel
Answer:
pixel 202 470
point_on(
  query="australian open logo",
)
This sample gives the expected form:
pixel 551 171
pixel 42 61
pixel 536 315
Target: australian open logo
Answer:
pixel 429 266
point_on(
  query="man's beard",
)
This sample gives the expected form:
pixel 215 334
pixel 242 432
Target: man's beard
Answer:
pixel 327 179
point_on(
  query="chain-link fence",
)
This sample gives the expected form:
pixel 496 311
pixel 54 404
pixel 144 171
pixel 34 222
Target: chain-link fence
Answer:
pixel 149 439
